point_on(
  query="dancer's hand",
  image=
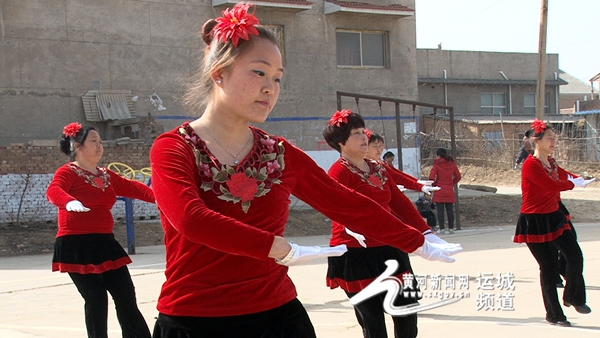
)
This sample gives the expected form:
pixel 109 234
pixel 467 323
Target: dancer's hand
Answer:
pixel 299 254
pixel 434 252
pixel 578 182
pixel 76 206
pixel 360 238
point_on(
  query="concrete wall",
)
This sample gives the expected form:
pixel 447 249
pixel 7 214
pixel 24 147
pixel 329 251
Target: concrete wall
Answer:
pixel 53 51
pixel 483 67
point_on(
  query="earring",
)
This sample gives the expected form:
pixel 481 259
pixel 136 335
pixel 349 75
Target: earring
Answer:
pixel 218 81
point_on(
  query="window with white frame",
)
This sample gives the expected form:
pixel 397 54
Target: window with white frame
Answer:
pixel 493 103
pixel 529 103
pixel 361 48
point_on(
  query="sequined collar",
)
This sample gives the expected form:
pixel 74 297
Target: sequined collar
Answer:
pixel 253 177
pixel 100 180
pixel 376 177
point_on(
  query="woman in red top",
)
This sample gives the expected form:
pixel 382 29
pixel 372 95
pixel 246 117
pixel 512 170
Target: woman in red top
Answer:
pixel 410 214
pixel 445 175
pixel 85 245
pixel 223 189
pixel 366 256
pixel 544 227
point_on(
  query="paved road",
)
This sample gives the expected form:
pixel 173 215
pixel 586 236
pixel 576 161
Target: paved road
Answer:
pixel 35 302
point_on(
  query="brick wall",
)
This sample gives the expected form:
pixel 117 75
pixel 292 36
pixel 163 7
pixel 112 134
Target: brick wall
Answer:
pixel 24 159
pixel 26 172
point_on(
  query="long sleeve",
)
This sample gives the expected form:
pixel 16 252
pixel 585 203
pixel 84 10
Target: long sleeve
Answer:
pixel 356 211
pixel 177 193
pixel 400 177
pixel 129 188
pixel 457 175
pixel 541 192
pixel 61 183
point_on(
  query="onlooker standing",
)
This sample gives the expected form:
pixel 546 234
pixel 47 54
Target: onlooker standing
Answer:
pixel 527 148
pixel 425 205
pixel 445 175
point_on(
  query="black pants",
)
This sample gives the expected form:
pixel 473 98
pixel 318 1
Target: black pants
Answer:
pixel 289 320
pixel 545 255
pixel 449 211
pixel 431 220
pixel 93 288
pixel 370 315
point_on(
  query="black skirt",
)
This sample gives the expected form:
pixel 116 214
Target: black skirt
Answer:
pixel 91 253
pixel 541 228
pixel 358 267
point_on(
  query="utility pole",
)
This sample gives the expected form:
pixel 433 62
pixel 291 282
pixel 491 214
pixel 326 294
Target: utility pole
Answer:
pixel 542 59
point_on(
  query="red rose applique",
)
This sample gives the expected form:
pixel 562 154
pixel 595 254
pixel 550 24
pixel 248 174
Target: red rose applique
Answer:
pixel 242 186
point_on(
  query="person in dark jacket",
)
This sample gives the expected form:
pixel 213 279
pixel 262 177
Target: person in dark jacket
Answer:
pixel 425 205
pixel 445 175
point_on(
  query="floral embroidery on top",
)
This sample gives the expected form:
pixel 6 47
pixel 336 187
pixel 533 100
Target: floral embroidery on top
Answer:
pixel 552 169
pixel 100 180
pixel 253 177
pixel 377 177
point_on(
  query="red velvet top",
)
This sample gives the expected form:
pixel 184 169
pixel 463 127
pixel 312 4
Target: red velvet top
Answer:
pixel 96 192
pixel 541 186
pixel 220 221
pixel 376 185
pixel 400 177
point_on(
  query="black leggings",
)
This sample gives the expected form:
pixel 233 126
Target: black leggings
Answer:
pixel 450 212
pixel 370 315
pixel 93 287
pixel 545 254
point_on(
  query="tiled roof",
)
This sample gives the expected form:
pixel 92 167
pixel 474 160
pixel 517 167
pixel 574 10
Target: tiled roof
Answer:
pixel 575 86
pixel 302 4
pixel 332 6
pixel 440 80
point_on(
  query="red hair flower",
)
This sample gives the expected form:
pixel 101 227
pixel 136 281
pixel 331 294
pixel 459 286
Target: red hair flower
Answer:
pixel 341 116
pixel 368 133
pixel 72 129
pixel 539 126
pixel 235 24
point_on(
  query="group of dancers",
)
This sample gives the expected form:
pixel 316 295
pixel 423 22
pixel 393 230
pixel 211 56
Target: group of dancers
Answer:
pixel 223 189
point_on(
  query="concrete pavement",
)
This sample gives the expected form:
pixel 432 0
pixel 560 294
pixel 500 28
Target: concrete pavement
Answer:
pixel 35 302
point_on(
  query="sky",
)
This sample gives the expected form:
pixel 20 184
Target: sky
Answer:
pixel 573 30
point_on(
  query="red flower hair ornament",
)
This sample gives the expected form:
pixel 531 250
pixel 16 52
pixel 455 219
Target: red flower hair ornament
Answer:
pixel 72 129
pixel 341 116
pixel 539 126
pixel 368 133
pixel 236 24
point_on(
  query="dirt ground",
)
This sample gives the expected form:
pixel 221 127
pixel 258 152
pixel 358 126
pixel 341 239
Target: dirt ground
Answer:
pixel 488 210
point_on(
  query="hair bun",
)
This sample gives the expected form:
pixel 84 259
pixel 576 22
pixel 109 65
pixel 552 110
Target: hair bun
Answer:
pixel 207 31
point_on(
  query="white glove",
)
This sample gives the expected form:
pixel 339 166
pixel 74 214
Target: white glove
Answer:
pixel 578 182
pixel 428 189
pixel 76 206
pixel 448 248
pixel 586 182
pixel 401 187
pixel 433 252
pixel 303 254
pixel 425 182
pixel 360 238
